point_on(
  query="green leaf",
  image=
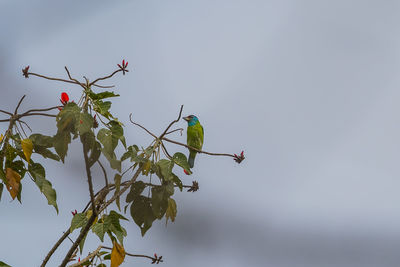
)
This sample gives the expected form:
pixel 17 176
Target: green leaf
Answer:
pixel 113 219
pixel 136 189
pixel 159 199
pixel 41 140
pixel 117 182
pixel 1 189
pixel 100 228
pixel 181 160
pixel 66 119
pixel 102 264
pixel 109 142
pixel 84 123
pixel 79 220
pixel 171 211
pixel 46 153
pixel 94 153
pixel 38 173
pixel 101 95
pixel 131 152
pixel 61 141
pixel 82 243
pixel 142 213
pixel 3 264
pixel 166 169
pixel 177 181
pixel 102 108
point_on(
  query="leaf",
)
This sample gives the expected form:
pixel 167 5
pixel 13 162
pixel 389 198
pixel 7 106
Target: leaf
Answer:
pixel 41 140
pixel 177 181
pixel 142 213
pixel 78 221
pixel 94 153
pixel 117 182
pixel 61 141
pixel 181 160
pixel 3 264
pixel 165 168
pixel 136 189
pixel 159 199
pixel 146 167
pixel 102 108
pixel 100 228
pixel 84 123
pixel 1 137
pixel 102 95
pixel 38 173
pixel 171 211
pixel 82 243
pixel 27 148
pixel 130 153
pixel 117 255
pixel 109 142
pixel 66 119
pixel 13 182
pixel 45 152
pixel 1 189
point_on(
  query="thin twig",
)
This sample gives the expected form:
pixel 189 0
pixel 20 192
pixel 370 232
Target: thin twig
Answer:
pixel 104 172
pixel 41 109
pixel 104 86
pixel 82 234
pixel 19 103
pixel 36 114
pixel 56 245
pixel 90 256
pixel 6 112
pixel 136 255
pixel 54 79
pixel 179 129
pixel 88 173
pixel 20 121
pixel 197 150
pixel 137 124
pixel 169 126
pixel 105 78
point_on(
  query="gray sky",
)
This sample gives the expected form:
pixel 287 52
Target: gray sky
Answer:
pixel 309 89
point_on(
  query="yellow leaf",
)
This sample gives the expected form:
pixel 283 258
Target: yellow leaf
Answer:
pixel 13 182
pixel 117 255
pixel 146 167
pixel 171 211
pixel 1 137
pixel 27 147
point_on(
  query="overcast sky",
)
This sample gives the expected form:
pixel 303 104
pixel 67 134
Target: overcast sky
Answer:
pixel 308 89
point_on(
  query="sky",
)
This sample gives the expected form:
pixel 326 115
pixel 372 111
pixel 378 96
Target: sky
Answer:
pixel 308 89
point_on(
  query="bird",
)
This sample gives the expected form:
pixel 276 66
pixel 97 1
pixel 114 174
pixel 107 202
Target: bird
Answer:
pixel 195 137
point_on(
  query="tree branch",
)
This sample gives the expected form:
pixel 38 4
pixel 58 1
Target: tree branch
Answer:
pixel 198 150
pixel 175 121
pixel 105 78
pixel 90 256
pixel 138 255
pixel 137 124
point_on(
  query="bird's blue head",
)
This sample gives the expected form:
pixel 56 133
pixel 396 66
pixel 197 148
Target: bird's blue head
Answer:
pixel 191 119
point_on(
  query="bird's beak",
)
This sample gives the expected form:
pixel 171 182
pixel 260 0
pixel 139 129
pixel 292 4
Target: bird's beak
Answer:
pixel 186 118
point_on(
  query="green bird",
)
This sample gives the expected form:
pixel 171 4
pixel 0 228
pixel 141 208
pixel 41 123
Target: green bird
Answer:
pixel 195 136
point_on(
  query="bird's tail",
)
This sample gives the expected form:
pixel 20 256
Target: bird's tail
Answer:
pixel 192 155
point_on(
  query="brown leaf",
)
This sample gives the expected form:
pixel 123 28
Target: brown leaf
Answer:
pixel 13 182
pixel 117 255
